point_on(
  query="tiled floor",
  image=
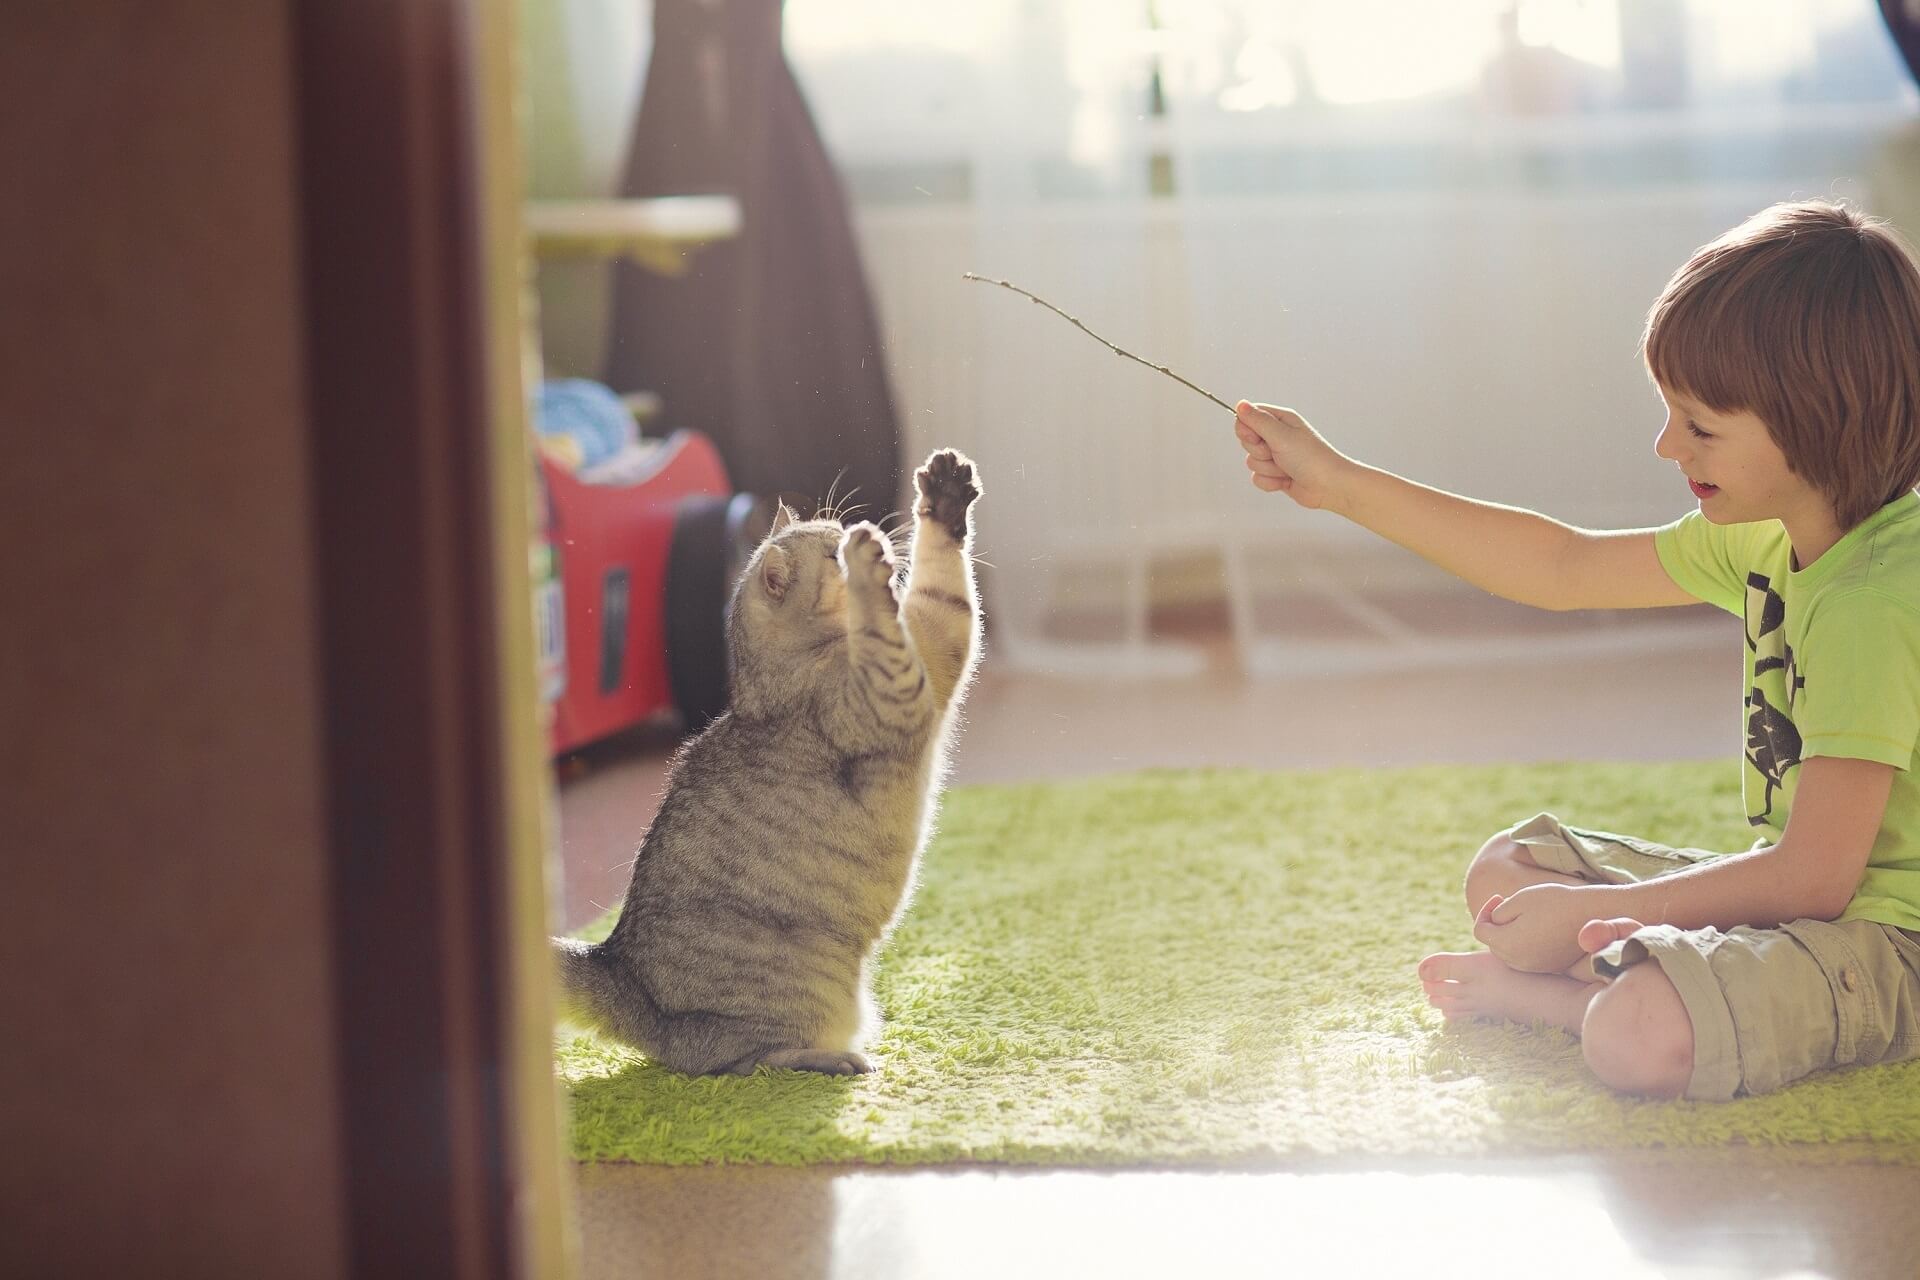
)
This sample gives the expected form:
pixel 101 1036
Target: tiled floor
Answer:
pixel 1732 1214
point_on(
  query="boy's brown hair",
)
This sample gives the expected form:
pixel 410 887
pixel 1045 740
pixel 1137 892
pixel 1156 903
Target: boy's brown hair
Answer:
pixel 1806 315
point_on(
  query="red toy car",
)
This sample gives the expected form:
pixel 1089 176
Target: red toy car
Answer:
pixel 633 624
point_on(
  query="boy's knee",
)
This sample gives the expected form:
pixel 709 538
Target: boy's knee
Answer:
pixel 1637 1037
pixel 1493 869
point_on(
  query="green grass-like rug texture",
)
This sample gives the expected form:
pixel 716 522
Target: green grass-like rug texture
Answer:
pixel 1217 967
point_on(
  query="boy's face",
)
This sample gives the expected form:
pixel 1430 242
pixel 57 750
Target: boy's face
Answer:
pixel 1733 466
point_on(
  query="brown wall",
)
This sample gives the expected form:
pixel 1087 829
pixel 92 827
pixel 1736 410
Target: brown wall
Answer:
pixel 167 1076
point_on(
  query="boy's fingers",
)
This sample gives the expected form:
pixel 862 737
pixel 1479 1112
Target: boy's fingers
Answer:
pixel 1485 926
pixel 1251 440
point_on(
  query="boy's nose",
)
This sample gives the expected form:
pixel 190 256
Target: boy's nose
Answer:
pixel 1665 444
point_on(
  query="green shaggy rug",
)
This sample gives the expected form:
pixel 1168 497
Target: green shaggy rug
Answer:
pixel 1181 968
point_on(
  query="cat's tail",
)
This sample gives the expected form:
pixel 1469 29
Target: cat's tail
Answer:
pixel 586 983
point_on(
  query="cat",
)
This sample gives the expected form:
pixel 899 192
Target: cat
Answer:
pixel 790 833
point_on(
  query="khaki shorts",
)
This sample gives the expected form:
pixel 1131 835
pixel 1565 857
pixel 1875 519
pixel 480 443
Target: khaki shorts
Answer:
pixel 1768 1005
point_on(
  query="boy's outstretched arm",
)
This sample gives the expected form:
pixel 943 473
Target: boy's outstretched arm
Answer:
pixel 1514 553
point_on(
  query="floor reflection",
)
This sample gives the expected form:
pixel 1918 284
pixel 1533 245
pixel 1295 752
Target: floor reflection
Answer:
pixel 1699 1215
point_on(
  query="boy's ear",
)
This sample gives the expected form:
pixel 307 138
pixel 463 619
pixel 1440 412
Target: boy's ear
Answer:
pixel 776 573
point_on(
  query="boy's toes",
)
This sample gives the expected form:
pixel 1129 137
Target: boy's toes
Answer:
pixel 1448 966
pixel 1597 935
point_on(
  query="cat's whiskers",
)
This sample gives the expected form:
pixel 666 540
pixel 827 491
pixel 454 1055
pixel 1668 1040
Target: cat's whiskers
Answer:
pixel 838 510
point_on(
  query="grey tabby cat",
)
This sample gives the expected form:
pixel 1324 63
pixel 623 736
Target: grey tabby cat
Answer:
pixel 791 829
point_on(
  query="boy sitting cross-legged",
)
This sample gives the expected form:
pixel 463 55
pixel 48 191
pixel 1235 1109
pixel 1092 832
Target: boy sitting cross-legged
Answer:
pixel 1788 355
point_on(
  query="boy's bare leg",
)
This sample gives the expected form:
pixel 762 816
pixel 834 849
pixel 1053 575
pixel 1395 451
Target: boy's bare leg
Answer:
pixel 1477 984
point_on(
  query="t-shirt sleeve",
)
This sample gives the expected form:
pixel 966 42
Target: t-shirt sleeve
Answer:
pixel 1861 668
pixel 1697 554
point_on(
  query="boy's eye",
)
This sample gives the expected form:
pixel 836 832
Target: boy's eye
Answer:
pixel 1697 433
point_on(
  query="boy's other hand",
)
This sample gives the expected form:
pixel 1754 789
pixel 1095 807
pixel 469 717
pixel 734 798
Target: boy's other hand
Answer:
pixel 1537 929
pixel 1285 454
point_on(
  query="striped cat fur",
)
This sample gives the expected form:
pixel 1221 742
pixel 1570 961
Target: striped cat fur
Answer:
pixel 790 833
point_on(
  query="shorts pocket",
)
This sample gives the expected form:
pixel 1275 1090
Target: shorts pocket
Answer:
pixel 1861 1034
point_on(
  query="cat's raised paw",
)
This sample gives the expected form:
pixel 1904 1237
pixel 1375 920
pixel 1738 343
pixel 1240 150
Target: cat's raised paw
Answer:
pixel 868 555
pixel 947 486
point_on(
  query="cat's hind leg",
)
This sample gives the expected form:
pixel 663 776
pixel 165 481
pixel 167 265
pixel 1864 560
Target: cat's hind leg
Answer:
pixel 710 1044
pixel 829 1062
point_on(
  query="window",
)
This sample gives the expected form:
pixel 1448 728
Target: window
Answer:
pixel 1283 96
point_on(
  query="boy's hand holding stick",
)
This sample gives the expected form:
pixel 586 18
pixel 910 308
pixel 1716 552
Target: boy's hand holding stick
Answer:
pixel 1284 452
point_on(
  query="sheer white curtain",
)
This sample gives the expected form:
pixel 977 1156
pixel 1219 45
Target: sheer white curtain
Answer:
pixel 1022 133
pixel 1079 439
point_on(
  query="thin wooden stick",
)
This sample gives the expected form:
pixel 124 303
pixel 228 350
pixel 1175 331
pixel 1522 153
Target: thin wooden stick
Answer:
pixel 968 275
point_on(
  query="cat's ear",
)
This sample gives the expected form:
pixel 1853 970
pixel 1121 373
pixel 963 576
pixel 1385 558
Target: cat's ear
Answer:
pixel 776 573
pixel 781 519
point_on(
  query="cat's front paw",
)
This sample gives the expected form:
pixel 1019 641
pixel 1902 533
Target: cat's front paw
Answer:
pixel 948 486
pixel 868 557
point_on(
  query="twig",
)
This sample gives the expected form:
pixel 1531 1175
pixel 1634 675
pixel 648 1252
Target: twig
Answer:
pixel 968 275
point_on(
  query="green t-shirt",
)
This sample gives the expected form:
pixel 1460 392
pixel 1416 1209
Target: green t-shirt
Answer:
pixel 1833 669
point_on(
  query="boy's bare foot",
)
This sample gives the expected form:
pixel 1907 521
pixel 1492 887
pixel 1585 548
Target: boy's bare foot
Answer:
pixel 1479 985
pixel 1476 984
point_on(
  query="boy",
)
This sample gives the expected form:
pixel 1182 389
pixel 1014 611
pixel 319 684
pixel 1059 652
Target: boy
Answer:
pixel 1788 355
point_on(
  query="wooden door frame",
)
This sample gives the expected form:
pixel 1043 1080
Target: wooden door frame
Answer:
pixel 436 796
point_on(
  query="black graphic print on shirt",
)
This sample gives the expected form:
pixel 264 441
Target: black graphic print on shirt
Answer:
pixel 1773 743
